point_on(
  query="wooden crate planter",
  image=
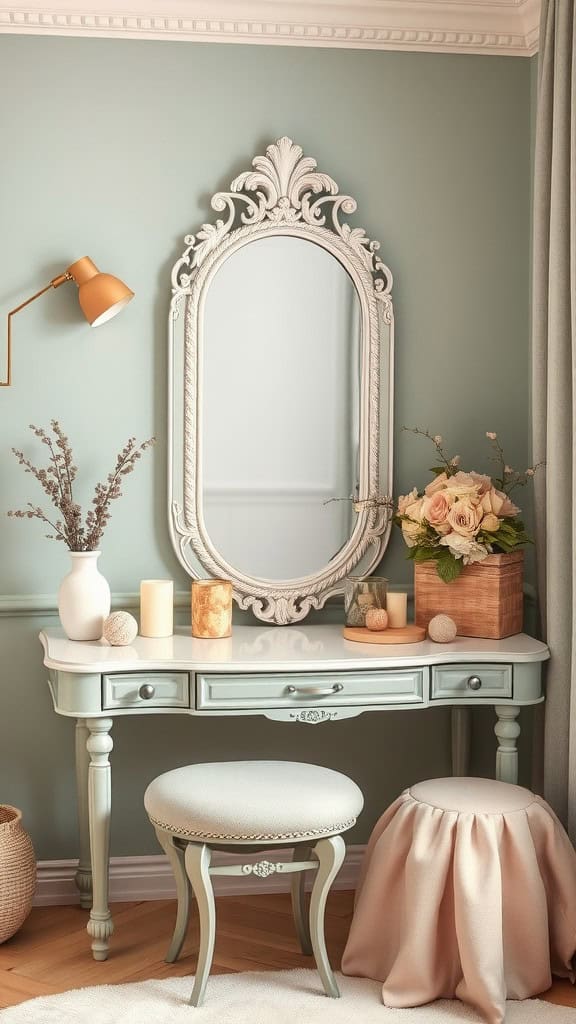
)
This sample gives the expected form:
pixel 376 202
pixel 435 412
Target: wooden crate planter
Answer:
pixel 486 600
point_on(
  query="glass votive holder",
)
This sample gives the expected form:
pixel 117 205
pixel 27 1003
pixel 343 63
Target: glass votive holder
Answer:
pixel 362 593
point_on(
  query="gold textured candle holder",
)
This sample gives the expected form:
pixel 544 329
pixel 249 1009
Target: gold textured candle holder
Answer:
pixel 211 609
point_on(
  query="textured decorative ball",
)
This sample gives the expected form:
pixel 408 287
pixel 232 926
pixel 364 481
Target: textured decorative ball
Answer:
pixel 442 629
pixel 376 619
pixel 120 629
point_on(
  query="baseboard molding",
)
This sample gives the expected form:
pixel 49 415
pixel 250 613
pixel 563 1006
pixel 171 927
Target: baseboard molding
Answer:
pixel 134 879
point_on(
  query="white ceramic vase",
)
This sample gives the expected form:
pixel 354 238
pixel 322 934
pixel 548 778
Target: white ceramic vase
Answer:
pixel 84 598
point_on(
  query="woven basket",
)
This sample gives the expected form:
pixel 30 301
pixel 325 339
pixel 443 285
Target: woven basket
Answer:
pixel 486 600
pixel 17 872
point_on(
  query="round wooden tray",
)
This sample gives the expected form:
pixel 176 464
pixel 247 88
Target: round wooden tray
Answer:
pixel 408 635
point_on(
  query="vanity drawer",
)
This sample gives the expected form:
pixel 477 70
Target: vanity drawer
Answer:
pixel 471 681
pixel 146 690
pixel 235 691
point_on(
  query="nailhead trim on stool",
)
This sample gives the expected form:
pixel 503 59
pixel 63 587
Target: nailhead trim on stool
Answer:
pixel 257 837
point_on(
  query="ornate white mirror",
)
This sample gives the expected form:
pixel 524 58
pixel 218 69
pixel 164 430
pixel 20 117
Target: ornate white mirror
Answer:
pixel 281 345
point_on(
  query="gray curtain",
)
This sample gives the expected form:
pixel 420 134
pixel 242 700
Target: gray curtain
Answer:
pixel 553 391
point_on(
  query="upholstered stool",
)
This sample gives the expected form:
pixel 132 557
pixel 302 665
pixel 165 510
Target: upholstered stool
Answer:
pixel 253 805
pixel 468 890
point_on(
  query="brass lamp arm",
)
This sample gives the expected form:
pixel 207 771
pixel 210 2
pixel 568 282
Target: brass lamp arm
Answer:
pixel 54 283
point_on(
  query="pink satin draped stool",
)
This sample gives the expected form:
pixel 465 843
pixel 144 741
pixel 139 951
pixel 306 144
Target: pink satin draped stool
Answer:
pixel 467 890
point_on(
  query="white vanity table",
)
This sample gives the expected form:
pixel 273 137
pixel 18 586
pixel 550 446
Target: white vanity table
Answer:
pixel 301 674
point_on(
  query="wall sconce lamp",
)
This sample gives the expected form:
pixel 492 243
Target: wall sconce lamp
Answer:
pixel 101 296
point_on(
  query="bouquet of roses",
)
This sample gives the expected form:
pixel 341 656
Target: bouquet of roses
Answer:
pixel 461 517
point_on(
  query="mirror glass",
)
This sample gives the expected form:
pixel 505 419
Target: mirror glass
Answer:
pixel 279 368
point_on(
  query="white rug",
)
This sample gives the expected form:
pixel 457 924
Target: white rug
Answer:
pixel 283 997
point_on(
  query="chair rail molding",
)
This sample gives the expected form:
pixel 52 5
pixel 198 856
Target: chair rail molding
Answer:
pixel 13 606
pixel 506 27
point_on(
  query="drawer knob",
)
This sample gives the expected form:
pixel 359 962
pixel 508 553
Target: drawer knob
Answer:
pixel 146 691
pixel 474 683
pixel 316 691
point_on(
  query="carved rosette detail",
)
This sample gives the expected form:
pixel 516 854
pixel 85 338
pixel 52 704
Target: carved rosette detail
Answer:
pixel 283 193
pixel 262 868
pixel 313 716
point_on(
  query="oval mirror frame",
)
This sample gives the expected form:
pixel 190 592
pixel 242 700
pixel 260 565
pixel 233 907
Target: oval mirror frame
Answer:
pixel 284 194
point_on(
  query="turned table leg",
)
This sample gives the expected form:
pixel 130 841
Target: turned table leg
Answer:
pixel 83 877
pixel 507 731
pixel 100 926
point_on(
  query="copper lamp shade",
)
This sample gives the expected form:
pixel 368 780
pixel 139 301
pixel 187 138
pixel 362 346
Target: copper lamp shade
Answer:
pixel 101 296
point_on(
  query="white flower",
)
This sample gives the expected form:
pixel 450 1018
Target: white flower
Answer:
pixel 465 548
pixel 437 439
pixel 491 435
pixel 455 461
pixel 508 470
pixel 530 472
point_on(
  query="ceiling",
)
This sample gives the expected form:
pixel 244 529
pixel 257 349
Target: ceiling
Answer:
pixel 507 27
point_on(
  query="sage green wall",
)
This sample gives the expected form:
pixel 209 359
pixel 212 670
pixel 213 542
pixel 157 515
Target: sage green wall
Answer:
pixel 112 149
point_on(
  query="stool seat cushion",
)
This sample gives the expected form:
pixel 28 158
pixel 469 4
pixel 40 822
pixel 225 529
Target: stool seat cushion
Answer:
pixel 253 802
pixel 472 796
pixel 467 890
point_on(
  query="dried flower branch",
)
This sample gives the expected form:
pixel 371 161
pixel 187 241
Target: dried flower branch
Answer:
pixel 380 501
pixel 57 479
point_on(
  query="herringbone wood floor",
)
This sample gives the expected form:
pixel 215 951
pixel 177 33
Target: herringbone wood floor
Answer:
pixel 51 952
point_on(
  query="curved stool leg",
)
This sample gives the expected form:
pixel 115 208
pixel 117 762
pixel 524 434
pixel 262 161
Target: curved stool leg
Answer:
pixel 175 855
pixel 330 853
pixel 299 901
pixel 197 860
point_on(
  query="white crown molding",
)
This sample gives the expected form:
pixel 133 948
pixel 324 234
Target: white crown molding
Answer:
pixel 506 27
pixel 134 879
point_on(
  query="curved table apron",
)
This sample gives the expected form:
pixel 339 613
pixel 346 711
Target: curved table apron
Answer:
pixel 299 674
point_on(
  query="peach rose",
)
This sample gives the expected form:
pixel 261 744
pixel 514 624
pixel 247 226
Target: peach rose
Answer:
pixel 410 532
pixel 490 523
pixel 437 484
pixel 405 500
pixel 462 485
pixel 414 510
pixel 498 503
pixel 435 508
pixel 412 526
pixel 483 482
pixel 464 518
pixel 509 508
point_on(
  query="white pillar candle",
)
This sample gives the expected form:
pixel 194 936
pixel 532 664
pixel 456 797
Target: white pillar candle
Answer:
pixel 156 608
pixel 396 606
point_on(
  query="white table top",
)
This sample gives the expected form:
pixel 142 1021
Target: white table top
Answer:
pixel 276 649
